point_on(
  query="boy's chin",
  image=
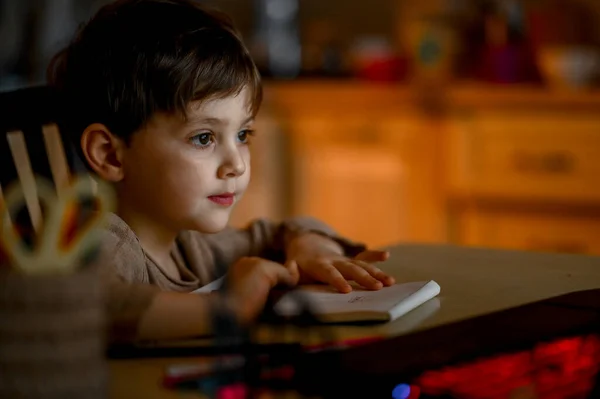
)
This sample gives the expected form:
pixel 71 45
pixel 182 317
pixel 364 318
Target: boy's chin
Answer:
pixel 211 225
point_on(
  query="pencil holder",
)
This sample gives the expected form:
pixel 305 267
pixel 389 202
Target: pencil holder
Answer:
pixel 52 336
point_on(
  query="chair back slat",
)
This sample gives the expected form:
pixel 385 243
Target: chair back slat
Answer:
pixel 1 199
pixel 8 169
pixel 32 144
pixel 56 157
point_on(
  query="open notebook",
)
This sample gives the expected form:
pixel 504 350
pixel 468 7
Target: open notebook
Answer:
pixel 360 305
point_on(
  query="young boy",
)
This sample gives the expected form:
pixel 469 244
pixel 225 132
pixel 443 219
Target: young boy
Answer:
pixel 163 94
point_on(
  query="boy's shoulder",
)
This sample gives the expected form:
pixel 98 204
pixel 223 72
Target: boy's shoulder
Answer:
pixel 121 249
pixel 123 252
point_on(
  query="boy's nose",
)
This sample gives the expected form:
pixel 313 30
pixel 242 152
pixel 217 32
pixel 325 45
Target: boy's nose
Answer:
pixel 233 165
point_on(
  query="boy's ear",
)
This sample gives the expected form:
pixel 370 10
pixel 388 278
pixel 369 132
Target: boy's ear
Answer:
pixel 103 152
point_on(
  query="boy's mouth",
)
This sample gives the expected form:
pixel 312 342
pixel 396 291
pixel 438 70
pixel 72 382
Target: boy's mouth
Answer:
pixel 224 199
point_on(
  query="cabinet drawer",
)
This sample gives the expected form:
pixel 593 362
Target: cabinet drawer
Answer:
pixel 534 232
pixel 527 157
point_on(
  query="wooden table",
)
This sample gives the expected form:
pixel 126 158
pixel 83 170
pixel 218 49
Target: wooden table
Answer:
pixel 474 282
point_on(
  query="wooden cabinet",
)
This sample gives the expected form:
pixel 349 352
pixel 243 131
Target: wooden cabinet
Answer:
pixel 362 158
pixel 348 174
pixel 372 177
pixel 503 168
pixel 417 141
pixel 535 231
pixel 538 155
pixel 525 179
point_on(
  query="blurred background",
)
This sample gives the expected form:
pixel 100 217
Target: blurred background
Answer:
pixel 469 122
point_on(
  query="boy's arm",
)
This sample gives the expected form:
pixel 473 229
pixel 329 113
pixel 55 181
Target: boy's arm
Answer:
pixel 175 315
pixel 126 305
pixel 269 240
pixel 139 311
pixel 321 255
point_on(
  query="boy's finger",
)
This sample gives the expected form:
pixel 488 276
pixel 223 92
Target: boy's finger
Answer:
pixel 352 271
pixel 328 274
pixel 292 267
pixel 275 273
pixel 285 275
pixel 376 273
pixel 372 256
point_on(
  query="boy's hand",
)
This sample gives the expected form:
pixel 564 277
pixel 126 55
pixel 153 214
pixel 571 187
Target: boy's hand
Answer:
pixel 251 279
pixel 321 259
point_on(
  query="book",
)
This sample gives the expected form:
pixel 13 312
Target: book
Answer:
pixel 213 286
pixel 360 305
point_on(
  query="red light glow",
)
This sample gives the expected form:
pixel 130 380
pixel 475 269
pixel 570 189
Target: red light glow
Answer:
pixel 561 369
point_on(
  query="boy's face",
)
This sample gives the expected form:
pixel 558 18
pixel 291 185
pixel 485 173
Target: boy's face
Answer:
pixel 188 175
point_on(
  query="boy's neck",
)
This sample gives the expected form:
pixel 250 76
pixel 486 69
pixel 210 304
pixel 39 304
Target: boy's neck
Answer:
pixel 157 241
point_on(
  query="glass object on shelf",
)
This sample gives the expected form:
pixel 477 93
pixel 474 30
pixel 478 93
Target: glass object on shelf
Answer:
pixel 277 40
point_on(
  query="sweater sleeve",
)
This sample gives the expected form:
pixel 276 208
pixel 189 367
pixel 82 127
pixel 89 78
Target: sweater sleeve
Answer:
pixel 262 238
pixel 126 304
pixel 128 296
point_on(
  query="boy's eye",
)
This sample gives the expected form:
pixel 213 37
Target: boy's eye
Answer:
pixel 202 140
pixel 244 136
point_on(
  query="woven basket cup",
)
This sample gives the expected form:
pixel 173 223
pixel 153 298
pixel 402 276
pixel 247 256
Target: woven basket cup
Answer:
pixel 52 336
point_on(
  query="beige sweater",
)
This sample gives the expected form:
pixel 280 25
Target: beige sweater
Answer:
pixel 133 278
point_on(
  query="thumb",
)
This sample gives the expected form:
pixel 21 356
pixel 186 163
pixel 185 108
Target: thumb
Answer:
pixel 292 267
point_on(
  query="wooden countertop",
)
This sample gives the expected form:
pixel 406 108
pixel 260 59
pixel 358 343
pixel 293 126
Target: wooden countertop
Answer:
pixel 474 282
pixel 477 281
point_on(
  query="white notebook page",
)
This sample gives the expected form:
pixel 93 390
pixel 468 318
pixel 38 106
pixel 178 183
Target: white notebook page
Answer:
pixel 397 299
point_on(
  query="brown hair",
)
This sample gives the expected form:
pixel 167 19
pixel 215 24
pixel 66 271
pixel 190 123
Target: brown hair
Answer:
pixel 138 57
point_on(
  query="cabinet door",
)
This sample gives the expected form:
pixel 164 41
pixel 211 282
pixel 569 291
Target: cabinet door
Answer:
pixel 356 190
pixel 531 231
pixel 418 143
pixel 348 175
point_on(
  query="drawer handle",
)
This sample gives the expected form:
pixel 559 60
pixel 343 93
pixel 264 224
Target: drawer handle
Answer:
pixel 558 162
